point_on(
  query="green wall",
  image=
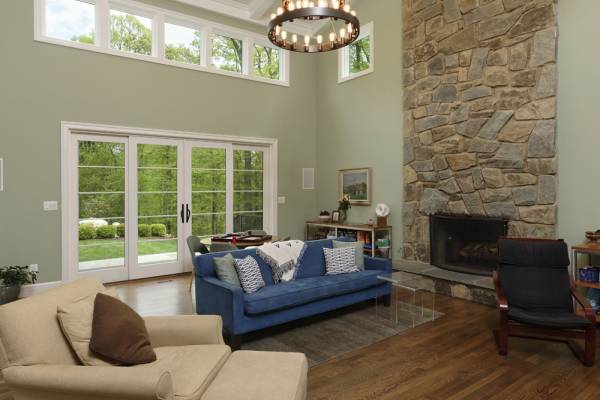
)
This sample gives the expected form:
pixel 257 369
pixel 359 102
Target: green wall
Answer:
pixel 43 84
pixel 360 121
pixel 578 109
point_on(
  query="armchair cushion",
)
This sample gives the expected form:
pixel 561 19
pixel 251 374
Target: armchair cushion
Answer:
pixel 76 322
pixel 119 334
pixel 22 321
pixel 549 318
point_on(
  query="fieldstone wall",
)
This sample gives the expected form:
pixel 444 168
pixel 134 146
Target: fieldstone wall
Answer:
pixel 480 114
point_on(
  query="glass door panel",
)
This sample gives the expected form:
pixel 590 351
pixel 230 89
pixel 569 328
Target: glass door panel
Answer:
pixel 248 188
pixel 208 190
pixel 101 195
pixel 157 203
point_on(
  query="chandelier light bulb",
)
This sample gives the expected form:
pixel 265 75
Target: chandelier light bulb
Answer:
pixel 353 13
pixel 347 8
pixel 335 3
pixel 295 38
pixel 299 4
pixel 311 4
pixel 273 16
pixel 305 3
pixel 332 37
pixel 342 34
pixel 306 40
pixel 278 30
pixel 279 10
pixel 291 7
pixel 320 39
pixel 284 35
pixel 322 3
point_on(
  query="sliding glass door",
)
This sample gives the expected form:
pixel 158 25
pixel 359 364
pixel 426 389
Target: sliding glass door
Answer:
pixel 136 199
pixel 157 207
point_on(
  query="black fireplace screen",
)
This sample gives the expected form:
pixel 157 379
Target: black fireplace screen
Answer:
pixel 466 244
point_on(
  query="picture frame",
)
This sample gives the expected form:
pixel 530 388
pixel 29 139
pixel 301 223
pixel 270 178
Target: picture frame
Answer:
pixel 335 216
pixel 356 183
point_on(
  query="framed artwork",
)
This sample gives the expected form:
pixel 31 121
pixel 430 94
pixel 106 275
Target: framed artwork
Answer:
pixel 356 184
pixel 335 216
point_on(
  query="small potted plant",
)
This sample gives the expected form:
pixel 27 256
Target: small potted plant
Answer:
pixel 344 206
pixel 11 280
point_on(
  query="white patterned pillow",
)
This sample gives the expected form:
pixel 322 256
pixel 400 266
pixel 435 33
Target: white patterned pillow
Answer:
pixel 249 273
pixel 341 260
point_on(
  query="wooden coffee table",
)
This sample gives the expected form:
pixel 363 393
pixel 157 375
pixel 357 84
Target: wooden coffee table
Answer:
pixel 243 241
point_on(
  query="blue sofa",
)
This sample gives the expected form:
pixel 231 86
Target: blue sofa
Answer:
pixel 311 293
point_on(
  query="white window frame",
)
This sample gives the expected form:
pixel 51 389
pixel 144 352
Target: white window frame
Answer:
pixel 127 135
pixel 283 61
pixel 159 17
pixel 344 74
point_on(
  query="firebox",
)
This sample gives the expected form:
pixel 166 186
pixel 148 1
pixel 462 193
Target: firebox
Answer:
pixel 466 244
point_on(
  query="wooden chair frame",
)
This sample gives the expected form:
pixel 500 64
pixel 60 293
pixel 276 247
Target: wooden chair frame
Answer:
pixel 512 328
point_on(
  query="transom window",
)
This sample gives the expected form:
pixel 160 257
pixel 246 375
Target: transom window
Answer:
pixel 130 29
pixel 356 59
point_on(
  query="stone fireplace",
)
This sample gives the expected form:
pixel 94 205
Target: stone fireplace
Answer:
pixel 480 116
pixel 466 244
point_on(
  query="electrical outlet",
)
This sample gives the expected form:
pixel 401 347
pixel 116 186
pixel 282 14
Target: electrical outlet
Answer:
pixel 281 200
pixel 34 268
pixel 50 205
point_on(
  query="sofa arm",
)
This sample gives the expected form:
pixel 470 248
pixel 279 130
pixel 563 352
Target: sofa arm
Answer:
pixel 215 297
pixel 383 264
pixel 185 330
pixel 82 382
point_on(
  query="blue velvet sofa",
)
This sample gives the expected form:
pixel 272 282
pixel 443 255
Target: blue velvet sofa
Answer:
pixel 311 293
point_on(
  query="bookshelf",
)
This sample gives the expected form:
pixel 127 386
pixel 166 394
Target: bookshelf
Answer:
pixel 590 250
pixel 377 239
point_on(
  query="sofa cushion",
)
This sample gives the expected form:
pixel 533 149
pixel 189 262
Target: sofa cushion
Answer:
pixel 312 263
pixel 263 375
pixel 302 291
pixel 359 248
pixel 205 263
pixel 192 368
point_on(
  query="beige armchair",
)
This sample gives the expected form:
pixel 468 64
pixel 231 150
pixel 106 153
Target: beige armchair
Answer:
pixel 193 360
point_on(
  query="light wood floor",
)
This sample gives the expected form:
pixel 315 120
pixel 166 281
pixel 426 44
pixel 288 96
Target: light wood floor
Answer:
pixel 452 358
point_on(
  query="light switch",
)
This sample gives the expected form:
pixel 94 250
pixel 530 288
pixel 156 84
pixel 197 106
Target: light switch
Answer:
pixel 50 205
pixel 281 200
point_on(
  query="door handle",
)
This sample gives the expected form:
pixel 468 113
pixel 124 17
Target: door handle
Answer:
pixel 188 213
pixel 182 213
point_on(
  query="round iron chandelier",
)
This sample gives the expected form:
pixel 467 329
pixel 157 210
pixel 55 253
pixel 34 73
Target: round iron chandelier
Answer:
pixel 337 12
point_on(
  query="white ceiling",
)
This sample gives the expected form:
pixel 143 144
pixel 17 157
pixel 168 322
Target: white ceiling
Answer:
pixel 255 11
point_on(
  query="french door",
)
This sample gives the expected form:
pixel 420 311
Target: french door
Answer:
pixel 133 200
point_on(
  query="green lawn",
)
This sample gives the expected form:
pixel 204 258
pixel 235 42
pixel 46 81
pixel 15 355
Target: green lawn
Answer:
pixel 102 249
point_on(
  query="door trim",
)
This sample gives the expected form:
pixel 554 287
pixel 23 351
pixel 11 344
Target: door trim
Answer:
pixel 68 128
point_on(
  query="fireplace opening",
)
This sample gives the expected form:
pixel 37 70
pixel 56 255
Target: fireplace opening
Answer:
pixel 466 244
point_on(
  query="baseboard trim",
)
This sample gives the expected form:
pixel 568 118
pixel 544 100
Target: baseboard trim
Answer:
pixel 30 290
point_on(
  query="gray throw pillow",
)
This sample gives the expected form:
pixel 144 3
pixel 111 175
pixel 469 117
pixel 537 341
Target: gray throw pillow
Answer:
pixel 360 255
pixel 225 269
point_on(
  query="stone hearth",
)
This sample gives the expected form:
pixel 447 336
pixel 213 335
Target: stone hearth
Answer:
pixel 480 115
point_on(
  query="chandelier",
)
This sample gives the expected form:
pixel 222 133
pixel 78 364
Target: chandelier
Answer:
pixel 344 26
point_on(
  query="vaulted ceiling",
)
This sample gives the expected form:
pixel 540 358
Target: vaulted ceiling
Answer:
pixel 255 11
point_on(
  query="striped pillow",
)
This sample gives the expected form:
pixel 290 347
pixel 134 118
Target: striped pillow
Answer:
pixel 341 260
pixel 249 274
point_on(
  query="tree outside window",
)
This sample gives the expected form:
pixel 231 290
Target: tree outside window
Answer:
pixel 266 62
pixel 130 33
pixel 360 55
pixel 182 44
pixel 227 53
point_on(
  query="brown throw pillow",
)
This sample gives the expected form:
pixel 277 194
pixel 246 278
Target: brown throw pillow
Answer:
pixel 119 334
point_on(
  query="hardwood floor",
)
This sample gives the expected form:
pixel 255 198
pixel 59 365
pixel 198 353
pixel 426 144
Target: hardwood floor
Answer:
pixel 452 358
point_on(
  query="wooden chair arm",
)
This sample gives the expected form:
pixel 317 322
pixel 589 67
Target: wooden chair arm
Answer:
pixel 583 302
pixel 502 302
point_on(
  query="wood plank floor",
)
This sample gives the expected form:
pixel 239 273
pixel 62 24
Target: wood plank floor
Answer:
pixel 449 359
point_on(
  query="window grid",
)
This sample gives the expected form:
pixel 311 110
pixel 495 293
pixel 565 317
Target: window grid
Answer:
pixel 344 64
pixel 160 17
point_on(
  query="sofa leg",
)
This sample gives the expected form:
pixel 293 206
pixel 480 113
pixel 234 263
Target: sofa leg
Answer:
pixel 234 341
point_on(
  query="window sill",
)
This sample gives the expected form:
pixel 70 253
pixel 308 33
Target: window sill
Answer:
pixel 356 75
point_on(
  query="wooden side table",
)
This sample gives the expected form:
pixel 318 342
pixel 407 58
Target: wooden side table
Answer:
pixel 590 250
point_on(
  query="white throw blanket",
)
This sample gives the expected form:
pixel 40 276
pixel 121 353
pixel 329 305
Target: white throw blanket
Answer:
pixel 283 258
